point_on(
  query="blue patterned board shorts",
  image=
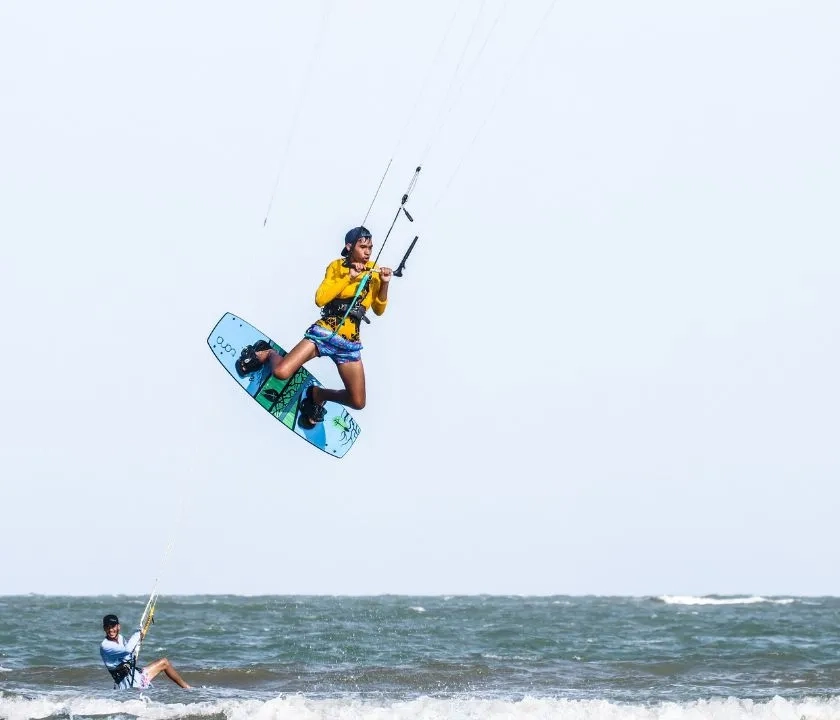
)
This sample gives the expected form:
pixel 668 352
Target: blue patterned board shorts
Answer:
pixel 340 349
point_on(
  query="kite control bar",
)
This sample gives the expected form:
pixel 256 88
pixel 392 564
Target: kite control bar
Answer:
pixel 399 271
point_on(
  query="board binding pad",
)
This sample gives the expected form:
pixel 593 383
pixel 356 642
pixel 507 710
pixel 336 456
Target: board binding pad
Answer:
pixel 281 398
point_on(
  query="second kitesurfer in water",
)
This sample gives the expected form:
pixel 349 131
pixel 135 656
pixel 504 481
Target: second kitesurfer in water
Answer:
pixel 118 655
pixel 336 335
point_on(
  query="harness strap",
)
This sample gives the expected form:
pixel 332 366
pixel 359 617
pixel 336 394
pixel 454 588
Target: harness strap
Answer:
pixel 133 667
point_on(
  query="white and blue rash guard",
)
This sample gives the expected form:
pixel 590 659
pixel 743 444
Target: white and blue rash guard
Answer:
pixel 116 652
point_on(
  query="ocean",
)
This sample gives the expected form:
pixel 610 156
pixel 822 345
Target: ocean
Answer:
pixel 511 657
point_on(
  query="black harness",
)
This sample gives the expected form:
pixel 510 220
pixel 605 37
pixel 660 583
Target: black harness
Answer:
pixel 338 308
pixel 121 672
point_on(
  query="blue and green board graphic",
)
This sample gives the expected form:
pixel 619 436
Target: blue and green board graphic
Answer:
pixel 335 436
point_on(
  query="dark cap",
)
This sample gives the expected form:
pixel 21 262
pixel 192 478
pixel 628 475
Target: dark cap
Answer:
pixel 353 236
pixel 109 621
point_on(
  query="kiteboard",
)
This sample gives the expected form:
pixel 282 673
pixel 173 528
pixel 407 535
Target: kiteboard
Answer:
pixel 281 398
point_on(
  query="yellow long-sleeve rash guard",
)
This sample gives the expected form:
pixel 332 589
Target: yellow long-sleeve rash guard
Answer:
pixel 337 285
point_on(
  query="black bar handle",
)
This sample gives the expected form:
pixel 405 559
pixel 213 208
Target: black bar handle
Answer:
pixel 399 271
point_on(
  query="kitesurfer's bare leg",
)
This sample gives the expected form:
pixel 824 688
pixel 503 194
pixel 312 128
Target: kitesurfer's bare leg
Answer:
pixel 352 374
pixel 163 665
pixel 284 366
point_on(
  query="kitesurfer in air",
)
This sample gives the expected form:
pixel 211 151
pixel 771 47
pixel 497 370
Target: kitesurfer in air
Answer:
pixel 117 654
pixel 336 334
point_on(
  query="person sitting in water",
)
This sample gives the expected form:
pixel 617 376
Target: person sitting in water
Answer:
pixel 117 655
pixel 336 334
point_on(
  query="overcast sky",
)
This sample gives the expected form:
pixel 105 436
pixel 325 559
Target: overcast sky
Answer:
pixel 611 366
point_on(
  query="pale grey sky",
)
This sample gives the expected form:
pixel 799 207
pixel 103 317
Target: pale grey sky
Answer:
pixel 611 366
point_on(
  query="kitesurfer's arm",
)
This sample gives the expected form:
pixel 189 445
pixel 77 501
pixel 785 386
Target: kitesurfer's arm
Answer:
pixel 114 653
pixel 133 640
pixel 336 279
pixel 380 298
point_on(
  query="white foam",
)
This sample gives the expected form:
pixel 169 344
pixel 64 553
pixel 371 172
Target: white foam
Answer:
pixel 704 600
pixel 418 609
pixel 297 707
